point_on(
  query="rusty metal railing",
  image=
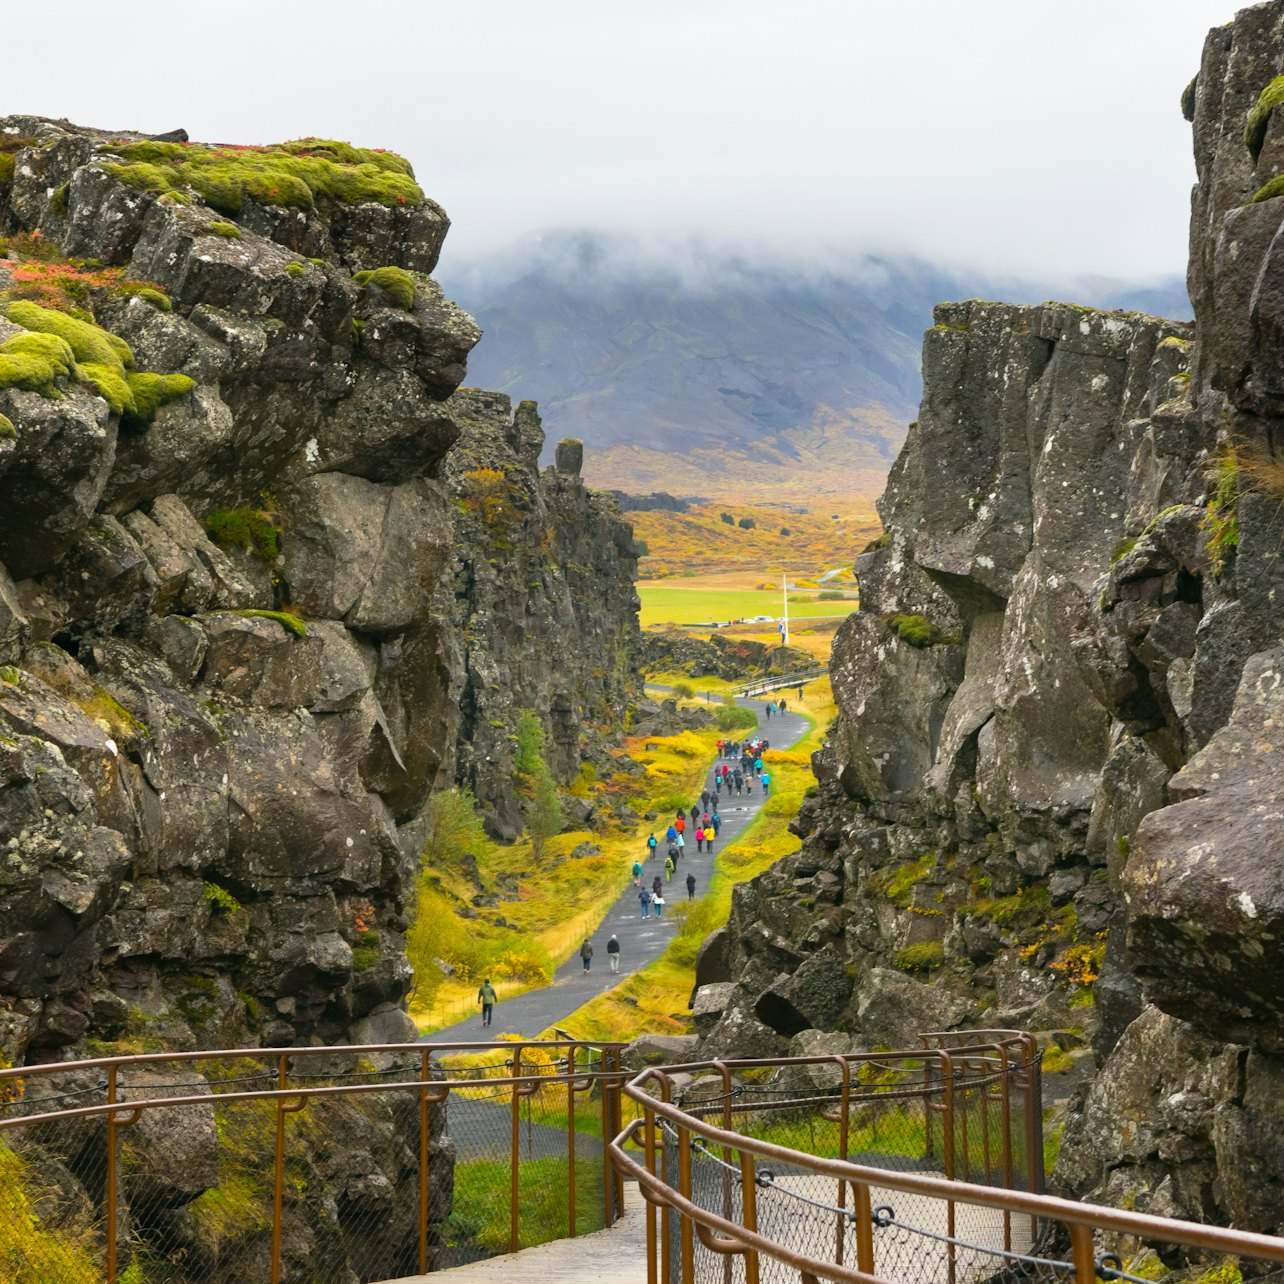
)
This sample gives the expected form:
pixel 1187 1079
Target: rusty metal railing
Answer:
pixel 953 1197
pixel 371 1162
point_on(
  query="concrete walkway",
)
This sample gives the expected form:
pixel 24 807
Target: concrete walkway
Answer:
pixel 641 940
pixel 616 1255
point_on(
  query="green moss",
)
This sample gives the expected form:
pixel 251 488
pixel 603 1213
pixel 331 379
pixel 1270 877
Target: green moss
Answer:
pixel 221 899
pixel 149 294
pixel 395 282
pixel 1259 117
pixel 111 384
pixel 294 268
pixel 296 174
pixel 366 953
pixel 149 392
pixel 881 541
pixel 1122 846
pixel 1007 911
pixel 918 630
pixel 291 623
pixel 1270 190
pixel 1174 341
pixel 228 231
pixel 1122 549
pixel 9 675
pixel 922 957
pixel 1221 517
pixel 903 880
pixel 88 342
pixel 1227 1270
pixel 1188 99
pixel 7 431
pixel 249 529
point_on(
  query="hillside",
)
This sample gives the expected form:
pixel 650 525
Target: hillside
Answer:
pixel 675 369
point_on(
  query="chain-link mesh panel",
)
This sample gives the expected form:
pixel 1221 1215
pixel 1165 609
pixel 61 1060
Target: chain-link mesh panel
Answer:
pixel 360 1168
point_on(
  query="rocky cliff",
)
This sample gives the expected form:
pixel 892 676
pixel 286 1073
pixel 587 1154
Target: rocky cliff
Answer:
pixel 1051 798
pixel 266 579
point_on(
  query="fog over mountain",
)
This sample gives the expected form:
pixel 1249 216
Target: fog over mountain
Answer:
pixel 674 347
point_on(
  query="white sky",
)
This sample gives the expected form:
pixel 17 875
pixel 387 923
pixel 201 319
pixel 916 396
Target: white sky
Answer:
pixel 1012 134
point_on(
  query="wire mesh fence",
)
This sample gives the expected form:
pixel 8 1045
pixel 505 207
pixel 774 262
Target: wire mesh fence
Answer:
pixel 312 1165
pixel 891 1166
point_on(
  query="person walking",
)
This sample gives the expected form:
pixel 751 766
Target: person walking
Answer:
pixel 708 840
pixel 669 867
pixel 757 766
pixel 487 997
pixel 613 953
pixel 658 902
pixel 771 708
pixel 690 887
pixel 680 844
pixel 700 839
pixel 644 899
pixel 704 800
pixel 780 708
pixel 716 821
pixel 637 873
pixel 651 844
pixel 657 885
pixel 717 784
pixel 766 781
pixel 680 824
pixel 586 953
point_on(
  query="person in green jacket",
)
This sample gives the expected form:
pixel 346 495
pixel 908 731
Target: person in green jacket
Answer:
pixel 486 996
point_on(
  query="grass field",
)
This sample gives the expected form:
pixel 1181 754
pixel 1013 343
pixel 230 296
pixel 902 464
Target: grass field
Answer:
pixel 664 602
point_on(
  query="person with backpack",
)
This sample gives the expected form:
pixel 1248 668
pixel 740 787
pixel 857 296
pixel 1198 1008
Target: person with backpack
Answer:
pixel 586 953
pixel 651 845
pixel 670 834
pixel 717 784
pixel 487 997
pixel 690 887
pixel 716 821
pixel 669 867
pixel 644 899
pixel 613 953
pixel 637 873
pixel 766 781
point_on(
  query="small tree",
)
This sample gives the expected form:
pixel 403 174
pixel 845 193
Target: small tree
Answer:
pixel 454 827
pixel 727 518
pixel 529 756
pixel 544 816
pixel 746 523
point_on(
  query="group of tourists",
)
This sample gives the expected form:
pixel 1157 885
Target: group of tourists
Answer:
pixel 776 706
pixel 740 765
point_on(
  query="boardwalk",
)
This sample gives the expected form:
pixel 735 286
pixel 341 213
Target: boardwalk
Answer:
pixel 641 940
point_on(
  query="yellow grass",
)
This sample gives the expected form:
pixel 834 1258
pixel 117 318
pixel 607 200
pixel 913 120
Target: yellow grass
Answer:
pixel 654 999
pixel 516 961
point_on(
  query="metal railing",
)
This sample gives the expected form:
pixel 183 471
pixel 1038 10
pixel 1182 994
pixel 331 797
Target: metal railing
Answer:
pixel 921 1165
pixel 343 1163
pixel 761 686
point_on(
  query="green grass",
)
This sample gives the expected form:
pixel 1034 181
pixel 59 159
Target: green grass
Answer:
pixel 481 1208
pixel 669 605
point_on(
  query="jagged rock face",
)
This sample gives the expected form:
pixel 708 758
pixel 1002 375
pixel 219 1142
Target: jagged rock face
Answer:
pixel 188 789
pixel 1056 752
pixel 540 603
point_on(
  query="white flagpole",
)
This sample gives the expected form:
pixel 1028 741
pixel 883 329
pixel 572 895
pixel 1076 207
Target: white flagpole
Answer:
pixel 784 593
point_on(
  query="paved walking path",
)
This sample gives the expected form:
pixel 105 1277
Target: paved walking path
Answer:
pixel 613 1256
pixel 641 940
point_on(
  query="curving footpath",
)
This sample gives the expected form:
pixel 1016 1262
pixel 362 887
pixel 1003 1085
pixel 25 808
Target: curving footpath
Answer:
pixel 641 940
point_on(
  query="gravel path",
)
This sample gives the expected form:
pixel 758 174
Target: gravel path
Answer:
pixel 641 940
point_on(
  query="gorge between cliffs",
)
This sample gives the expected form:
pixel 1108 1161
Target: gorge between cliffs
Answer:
pixel 272 577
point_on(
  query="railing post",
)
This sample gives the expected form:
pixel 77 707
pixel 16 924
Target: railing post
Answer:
pixel 1085 1262
pixel 749 1212
pixel 617 1121
pixel 666 1216
pixel 1005 1097
pixel 844 1130
pixel 608 1168
pixel 864 1228
pixel 113 1198
pixel 278 1171
pixel 684 1188
pixel 570 1142
pixel 425 1074
pixel 515 1152
pixel 947 1151
pixel 725 1072
pixel 648 1140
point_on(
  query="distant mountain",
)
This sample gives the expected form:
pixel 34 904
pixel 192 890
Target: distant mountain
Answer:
pixel 656 359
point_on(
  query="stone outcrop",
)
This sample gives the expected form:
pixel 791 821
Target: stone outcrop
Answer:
pixel 540 603
pixel 252 611
pixel 1052 795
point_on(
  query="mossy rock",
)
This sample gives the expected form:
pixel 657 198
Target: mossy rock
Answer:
pixel 1188 99
pixel 7 431
pixel 291 623
pixel 1259 117
pixel 295 174
pixel 1269 191
pixel 228 231
pixel 923 957
pixel 249 529
pixel 395 282
pixel 918 631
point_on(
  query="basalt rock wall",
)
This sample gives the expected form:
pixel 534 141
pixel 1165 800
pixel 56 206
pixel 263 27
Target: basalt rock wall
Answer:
pixel 1052 795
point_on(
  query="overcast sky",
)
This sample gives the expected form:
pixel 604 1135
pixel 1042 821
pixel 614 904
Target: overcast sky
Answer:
pixel 1006 133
